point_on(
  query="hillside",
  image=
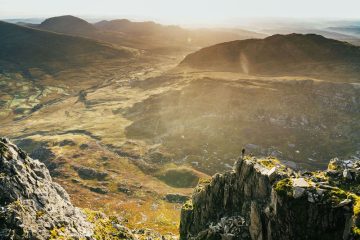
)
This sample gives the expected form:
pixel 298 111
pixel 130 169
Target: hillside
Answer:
pixel 23 48
pixel 67 24
pixel 294 54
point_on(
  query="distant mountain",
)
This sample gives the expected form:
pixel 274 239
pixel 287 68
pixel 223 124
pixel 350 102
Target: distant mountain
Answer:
pixel 143 28
pixel 297 54
pixel 67 24
pixel 326 32
pixel 352 30
pixel 23 48
pixel 23 20
pixel 175 34
pixel 143 35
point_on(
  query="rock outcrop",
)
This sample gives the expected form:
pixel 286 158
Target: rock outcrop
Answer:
pixel 32 206
pixel 262 199
pixel 258 199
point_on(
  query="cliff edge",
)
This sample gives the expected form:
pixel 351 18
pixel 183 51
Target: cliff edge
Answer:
pixel 262 199
pixel 32 206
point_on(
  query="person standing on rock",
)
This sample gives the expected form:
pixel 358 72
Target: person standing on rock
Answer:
pixel 243 153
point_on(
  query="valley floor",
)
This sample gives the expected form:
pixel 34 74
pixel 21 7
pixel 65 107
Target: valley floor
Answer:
pixel 121 136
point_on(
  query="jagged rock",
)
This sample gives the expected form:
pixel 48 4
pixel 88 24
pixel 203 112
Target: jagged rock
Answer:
pixel 41 151
pixel 344 203
pixel 32 205
pixel 300 182
pixel 227 228
pixel 347 174
pixel 149 234
pixel 255 222
pixel 271 211
pixel 298 192
pixel 310 197
pixel 272 174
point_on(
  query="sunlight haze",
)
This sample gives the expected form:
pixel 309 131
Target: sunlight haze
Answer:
pixel 182 12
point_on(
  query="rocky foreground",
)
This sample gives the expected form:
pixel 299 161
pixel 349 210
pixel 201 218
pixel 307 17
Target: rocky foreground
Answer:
pixel 259 199
pixel 32 206
pixel 262 199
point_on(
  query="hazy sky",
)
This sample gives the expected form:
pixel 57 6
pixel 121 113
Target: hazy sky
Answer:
pixel 182 11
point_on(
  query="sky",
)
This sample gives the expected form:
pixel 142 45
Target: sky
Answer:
pixel 182 11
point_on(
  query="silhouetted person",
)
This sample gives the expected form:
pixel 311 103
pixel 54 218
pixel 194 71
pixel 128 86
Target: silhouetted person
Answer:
pixel 243 153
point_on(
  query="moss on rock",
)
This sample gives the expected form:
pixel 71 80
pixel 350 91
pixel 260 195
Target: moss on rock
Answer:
pixel 284 187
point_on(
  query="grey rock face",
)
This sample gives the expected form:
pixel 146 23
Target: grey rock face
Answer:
pixel 31 204
pixel 292 208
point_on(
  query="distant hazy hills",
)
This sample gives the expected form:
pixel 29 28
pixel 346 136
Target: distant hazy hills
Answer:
pixel 195 37
pixel 352 30
pixel 23 48
pixel 308 54
pixel 143 35
pixel 141 28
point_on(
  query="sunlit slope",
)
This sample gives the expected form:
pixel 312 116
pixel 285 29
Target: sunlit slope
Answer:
pixel 294 54
pixel 215 115
pixel 22 48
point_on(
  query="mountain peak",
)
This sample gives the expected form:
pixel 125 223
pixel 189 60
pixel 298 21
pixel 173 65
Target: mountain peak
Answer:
pixel 292 54
pixel 67 24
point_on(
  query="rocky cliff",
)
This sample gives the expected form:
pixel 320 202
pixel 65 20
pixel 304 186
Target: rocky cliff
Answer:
pixel 258 199
pixel 262 199
pixel 32 206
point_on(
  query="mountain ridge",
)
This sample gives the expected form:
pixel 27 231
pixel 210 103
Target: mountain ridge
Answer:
pixel 143 35
pixel 25 47
pixel 279 55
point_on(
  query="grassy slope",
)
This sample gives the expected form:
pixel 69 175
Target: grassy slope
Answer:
pixel 88 122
